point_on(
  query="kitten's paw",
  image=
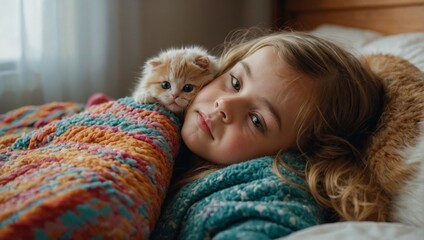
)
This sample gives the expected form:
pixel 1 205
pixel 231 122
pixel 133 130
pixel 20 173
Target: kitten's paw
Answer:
pixel 143 98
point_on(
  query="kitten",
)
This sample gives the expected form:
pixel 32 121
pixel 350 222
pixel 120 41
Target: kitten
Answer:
pixel 175 76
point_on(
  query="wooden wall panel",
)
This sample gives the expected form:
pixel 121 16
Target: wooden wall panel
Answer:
pixel 386 16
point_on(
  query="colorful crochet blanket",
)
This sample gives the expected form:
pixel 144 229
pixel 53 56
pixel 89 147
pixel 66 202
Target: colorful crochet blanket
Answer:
pixel 98 174
pixel 242 201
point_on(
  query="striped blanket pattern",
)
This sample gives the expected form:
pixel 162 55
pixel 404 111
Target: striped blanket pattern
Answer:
pixel 101 173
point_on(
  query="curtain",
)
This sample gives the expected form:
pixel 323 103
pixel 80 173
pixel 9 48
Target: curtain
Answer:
pixel 67 50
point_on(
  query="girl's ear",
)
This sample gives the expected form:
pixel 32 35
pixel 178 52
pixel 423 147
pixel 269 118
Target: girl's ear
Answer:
pixel 202 61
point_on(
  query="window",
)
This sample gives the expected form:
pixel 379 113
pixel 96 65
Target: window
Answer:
pixel 20 31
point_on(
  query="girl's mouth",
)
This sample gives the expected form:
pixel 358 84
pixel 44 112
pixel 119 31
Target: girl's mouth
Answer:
pixel 204 124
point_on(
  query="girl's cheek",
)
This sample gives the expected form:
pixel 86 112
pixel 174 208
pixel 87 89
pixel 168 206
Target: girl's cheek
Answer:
pixel 201 96
pixel 211 91
pixel 206 95
pixel 239 151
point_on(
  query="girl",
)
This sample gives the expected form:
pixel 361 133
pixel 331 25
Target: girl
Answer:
pixel 290 95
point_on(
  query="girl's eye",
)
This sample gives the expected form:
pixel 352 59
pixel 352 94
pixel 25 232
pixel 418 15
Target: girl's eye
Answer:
pixel 188 88
pixel 165 85
pixel 235 83
pixel 256 121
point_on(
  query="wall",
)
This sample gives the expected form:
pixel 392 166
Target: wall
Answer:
pixel 167 23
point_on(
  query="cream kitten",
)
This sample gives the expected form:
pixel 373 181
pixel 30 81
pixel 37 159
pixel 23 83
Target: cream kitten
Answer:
pixel 175 76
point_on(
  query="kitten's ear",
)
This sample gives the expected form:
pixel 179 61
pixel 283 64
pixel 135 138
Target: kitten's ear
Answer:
pixel 202 61
pixel 154 63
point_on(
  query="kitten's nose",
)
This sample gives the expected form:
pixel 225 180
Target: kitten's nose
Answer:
pixel 175 95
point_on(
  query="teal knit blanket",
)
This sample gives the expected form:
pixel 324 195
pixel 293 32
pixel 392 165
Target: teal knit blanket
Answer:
pixel 242 201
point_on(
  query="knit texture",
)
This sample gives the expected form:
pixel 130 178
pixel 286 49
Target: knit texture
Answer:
pixel 242 201
pixel 102 173
pixel 25 119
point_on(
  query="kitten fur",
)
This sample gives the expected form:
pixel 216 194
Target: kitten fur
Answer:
pixel 174 77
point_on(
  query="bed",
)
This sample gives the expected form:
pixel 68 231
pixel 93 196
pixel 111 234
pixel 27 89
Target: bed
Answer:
pixel 394 27
pixel 102 198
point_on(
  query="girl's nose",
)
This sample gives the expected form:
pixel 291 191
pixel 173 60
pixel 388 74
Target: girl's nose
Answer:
pixel 220 106
pixel 228 108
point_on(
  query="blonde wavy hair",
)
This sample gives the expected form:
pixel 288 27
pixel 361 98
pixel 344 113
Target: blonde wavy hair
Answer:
pixel 333 123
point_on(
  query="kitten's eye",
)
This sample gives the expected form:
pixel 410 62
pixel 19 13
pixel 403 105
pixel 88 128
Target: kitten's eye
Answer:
pixel 166 85
pixel 235 83
pixel 188 88
pixel 256 121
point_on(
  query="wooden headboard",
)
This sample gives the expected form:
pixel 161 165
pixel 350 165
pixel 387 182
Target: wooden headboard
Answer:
pixel 385 16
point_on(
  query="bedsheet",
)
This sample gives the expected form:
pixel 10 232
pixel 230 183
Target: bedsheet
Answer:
pixel 359 230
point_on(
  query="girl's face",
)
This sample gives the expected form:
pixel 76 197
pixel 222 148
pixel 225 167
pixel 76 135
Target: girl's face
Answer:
pixel 247 112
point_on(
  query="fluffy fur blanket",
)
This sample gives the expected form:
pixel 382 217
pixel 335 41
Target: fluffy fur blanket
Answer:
pixel 101 173
pixel 394 155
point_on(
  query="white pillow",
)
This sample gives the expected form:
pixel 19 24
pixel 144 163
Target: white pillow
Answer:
pixel 364 41
pixel 350 38
pixel 407 45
